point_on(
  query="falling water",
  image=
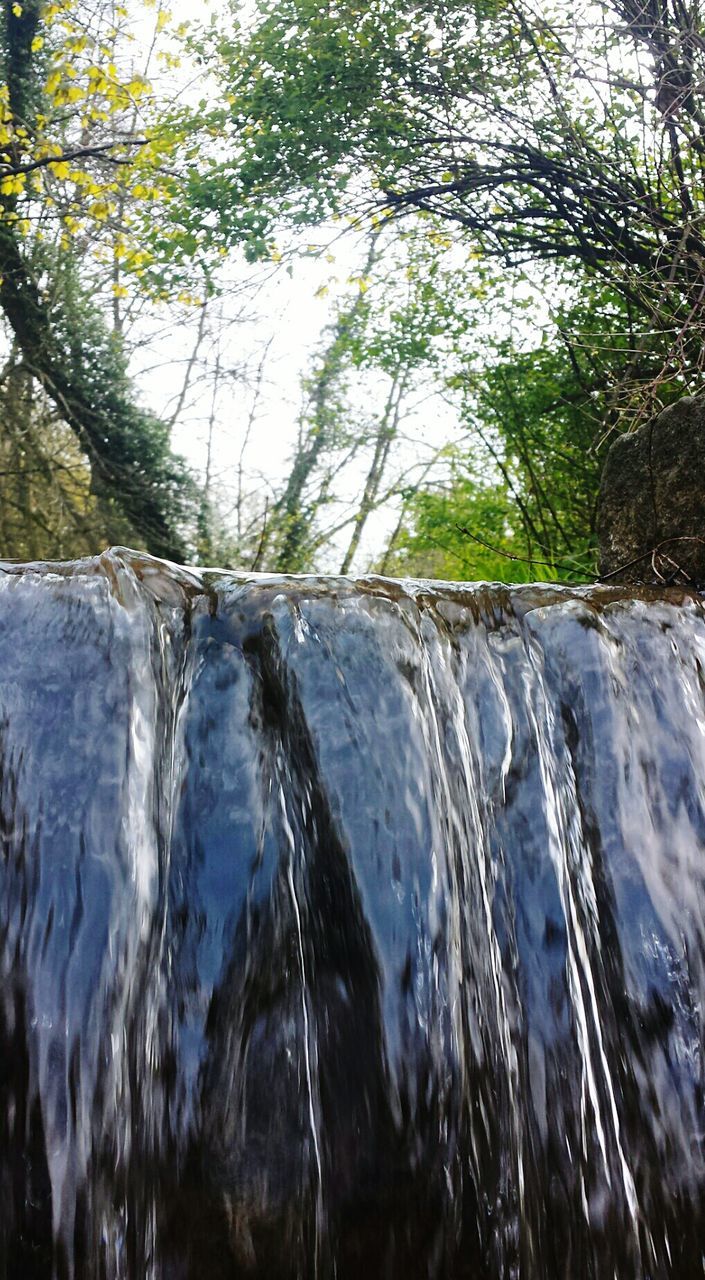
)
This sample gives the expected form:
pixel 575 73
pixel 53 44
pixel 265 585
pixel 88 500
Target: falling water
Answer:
pixel 349 930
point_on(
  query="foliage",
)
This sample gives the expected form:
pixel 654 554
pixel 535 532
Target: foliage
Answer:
pixel 432 542
pixel 563 146
pixel 68 141
pixel 529 183
pixel 573 134
pixel 82 151
pixel 518 500
pixel 536 419
pixel 46 505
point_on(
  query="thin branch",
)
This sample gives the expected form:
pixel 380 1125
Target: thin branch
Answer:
pixel 509 555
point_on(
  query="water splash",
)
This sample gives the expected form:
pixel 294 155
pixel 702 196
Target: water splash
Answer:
pixel 348 929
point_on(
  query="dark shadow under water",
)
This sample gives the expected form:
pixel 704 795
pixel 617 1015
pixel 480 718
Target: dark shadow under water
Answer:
pixel 349 930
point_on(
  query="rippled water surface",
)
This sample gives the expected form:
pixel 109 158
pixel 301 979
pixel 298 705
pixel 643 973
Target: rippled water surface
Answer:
pixel 348 931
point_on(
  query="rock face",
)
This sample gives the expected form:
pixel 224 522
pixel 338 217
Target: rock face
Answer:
pixel 651 518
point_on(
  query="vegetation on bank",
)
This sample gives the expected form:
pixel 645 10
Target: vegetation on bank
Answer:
pixel 525 187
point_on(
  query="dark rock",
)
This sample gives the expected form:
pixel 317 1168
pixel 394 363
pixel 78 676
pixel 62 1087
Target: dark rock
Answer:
pixel 651 517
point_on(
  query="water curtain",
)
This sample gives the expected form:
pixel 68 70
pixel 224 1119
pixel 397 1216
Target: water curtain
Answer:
pixel 349 929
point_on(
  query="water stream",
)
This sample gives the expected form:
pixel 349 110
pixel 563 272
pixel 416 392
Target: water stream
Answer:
pixel 349 930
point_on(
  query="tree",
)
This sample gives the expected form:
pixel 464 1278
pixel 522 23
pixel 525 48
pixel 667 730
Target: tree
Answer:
pixel 376 361
pixel 562 145
pixel 567 134
pixel 67 131
pixel 432 540
pixel 516 496
pixel 70 353
pixel 45 496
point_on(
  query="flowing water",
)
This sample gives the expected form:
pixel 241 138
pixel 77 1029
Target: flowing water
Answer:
pixel 349 930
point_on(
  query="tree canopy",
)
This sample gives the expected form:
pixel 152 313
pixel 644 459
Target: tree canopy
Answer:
pixel 527 186
pixel 68 137
pixel 557 132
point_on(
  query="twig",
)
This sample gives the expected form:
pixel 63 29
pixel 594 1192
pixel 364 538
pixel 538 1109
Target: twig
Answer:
pixel 645 555
pixel 509 555
pixel 78 153
pixel 190 365
pixel 262 539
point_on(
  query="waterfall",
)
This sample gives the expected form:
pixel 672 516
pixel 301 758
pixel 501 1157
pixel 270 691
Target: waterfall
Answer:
pixel 349 929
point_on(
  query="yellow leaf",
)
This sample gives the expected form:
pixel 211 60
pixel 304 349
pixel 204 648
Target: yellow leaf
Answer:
pixel 136 258
pixel 137 87
pixel 100 210
pixel 13 184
